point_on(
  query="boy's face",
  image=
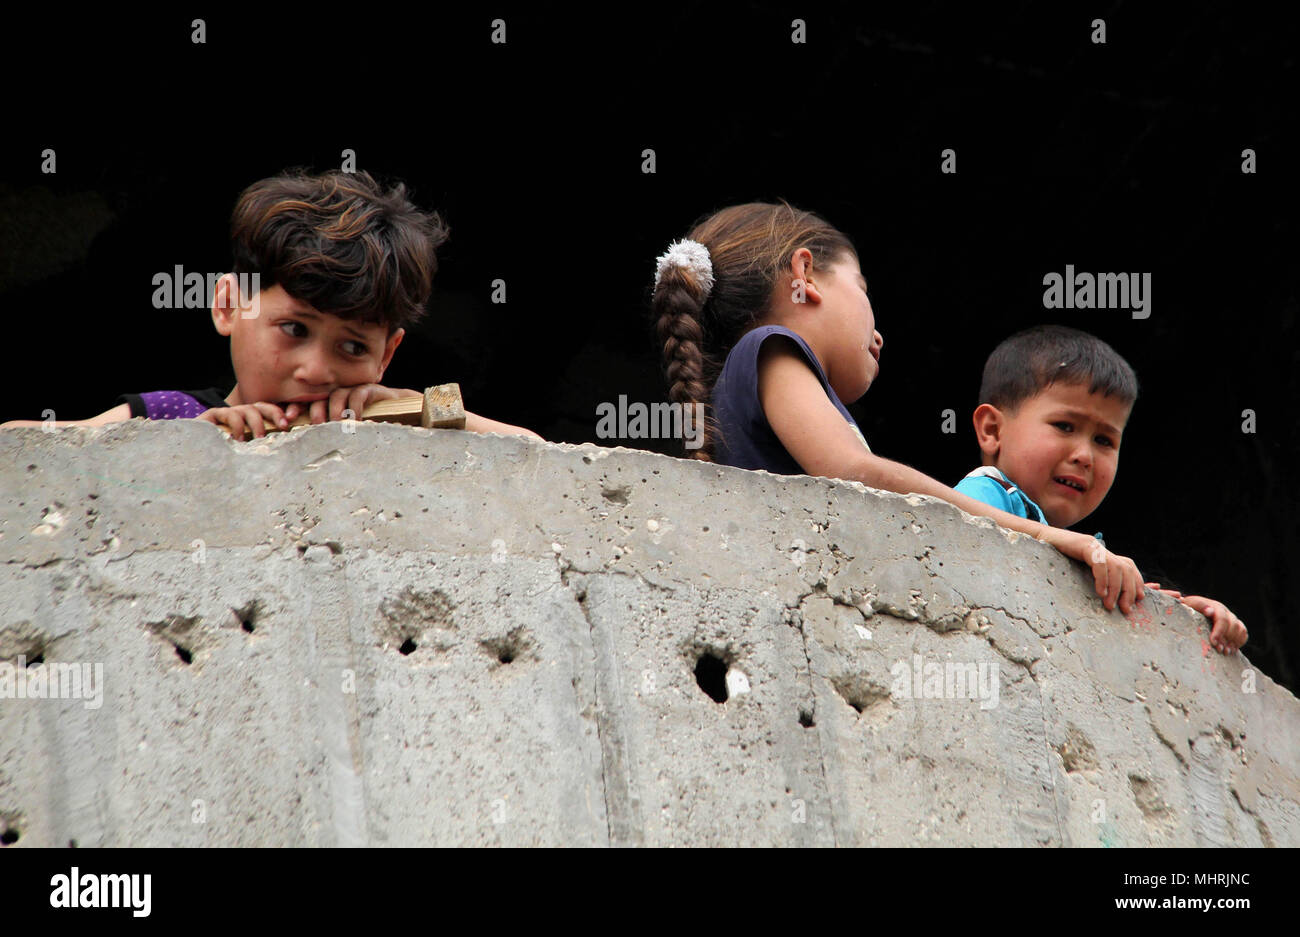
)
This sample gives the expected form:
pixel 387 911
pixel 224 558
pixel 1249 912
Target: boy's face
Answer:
pixel 291 352
pixel 1060 447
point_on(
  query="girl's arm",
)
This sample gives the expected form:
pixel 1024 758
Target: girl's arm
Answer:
pixel 823 443
pixel 118 414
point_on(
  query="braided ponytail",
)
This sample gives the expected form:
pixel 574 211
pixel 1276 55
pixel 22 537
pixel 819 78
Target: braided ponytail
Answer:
pixel 678 305
pixel 716 285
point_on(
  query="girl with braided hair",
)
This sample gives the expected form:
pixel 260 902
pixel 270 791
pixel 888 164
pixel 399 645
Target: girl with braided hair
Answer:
pixel 763 318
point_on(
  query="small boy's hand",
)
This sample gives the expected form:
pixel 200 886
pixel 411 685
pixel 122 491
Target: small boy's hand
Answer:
pixel 242 419
pixel 1228 633
pixel 1117 577
pixel 355 398
pixel 1172 593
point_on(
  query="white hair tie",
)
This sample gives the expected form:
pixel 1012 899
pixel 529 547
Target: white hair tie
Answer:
pixel 692 255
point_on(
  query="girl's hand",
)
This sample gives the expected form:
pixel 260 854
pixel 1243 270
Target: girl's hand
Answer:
pixel 1228 633
pixel 1117 577
pixel 355 398
pixel 242 419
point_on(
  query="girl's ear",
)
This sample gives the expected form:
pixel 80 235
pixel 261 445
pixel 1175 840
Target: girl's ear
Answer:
pixel 801 273
pixel 988 422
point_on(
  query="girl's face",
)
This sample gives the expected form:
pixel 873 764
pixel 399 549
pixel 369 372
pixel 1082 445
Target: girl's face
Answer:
pixel 855 350
pixel 291 352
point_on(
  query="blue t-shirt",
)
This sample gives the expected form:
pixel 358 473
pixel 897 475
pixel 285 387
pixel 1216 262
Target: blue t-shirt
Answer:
pixel 983 485
pixel 745 439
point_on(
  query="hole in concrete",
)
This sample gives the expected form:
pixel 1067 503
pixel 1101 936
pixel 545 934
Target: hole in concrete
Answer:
pixel 72 844
pixel 407 646
pixel 711 675
pixel 1147 796
pixel 859 691
pixel 806 719
pixel 509 648
pixel 616 495
pixel 37 658
pixel 248 615
pixel 1077 751
pixel 9 837
pixel 181 632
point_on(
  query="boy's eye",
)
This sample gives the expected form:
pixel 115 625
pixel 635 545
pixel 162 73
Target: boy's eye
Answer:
pixel 293 324
pixel 1105 440
pixel 1064 426
pixel 360 348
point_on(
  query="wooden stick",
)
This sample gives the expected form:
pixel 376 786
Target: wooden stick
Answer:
pixel 440 408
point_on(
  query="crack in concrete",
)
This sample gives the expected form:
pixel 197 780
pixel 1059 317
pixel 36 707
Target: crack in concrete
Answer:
pixel 821 751
pixel 622 826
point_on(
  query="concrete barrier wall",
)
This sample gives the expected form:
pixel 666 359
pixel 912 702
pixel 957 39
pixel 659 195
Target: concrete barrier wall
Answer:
pixel 413 637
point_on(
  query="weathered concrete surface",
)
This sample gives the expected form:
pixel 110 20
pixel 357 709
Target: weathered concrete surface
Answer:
pixel 403 636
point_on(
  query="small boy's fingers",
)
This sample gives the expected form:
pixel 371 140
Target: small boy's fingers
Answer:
pixel 1099 579
pixel 1128 595
pixel 1114 586
pixel 319 411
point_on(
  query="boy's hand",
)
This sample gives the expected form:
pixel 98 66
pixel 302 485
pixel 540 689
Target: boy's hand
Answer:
pixel 355 398
pixel 1172 593
pixel 1117 577
pixel 246 417
pixel 1228 633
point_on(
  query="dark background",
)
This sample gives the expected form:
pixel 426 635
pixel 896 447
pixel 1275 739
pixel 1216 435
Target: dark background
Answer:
pixel 1117 157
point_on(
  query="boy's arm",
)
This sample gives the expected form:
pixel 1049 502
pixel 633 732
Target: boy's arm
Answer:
pixel 481 424
pixel 118 414
pixel 359 397
pixel 823 443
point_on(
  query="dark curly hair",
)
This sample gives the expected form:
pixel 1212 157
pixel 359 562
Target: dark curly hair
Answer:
pixel 339 242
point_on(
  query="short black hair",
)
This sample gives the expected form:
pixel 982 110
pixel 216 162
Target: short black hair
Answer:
pixel 1029 361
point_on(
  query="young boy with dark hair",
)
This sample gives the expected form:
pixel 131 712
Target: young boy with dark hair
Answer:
pixel 338 267
pixel 1054 402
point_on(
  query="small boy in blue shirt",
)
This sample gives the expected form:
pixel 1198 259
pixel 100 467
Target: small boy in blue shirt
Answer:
pixel 1054 402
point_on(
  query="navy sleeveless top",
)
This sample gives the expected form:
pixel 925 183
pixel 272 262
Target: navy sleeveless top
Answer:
pixel 745 439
